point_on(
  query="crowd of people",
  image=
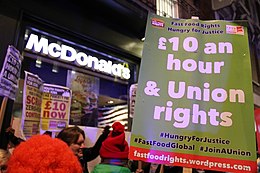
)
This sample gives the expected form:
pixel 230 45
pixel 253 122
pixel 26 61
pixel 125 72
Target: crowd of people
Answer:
pixel 66 153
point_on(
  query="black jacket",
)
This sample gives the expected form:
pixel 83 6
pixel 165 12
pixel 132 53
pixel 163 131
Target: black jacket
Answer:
pixel 91 153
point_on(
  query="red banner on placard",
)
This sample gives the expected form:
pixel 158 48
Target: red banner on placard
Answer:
pixel 192 161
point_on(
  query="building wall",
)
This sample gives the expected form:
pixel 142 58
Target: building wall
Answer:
pixel 86 20
pixel 248 13
pixel 203 10
pixel 7 32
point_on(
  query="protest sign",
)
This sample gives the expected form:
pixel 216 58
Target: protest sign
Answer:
pixel 194 103
pixel 32 101
pixel 10 73
pixel 132 96
pixel 45 106
pixel 56 101
pixel 9 76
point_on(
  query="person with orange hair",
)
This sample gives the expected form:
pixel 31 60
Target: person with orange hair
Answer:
pixel 43 154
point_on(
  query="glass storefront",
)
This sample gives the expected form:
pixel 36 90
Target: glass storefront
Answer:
pixel 99 82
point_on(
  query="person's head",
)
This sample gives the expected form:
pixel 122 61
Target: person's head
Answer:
pixel 48 133
pixel 41 153
pixel 115 146
pixel 4 157
pixel 74 137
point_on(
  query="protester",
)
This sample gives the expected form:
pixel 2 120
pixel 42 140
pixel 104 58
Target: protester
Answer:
pixel 4 157
pixel 74 137
pixel 169 169
pixel 48 133
pixel 114 152
pixel 145 166
pixel 157 168
pixel 41 153
pixel 12 139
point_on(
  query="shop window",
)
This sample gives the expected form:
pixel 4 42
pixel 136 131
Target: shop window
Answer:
pixel 96 101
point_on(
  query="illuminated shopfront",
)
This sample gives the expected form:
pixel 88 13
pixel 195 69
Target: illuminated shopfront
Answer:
pixel 99 81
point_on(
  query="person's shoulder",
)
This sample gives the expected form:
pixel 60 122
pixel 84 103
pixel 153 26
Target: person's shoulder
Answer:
pixel 107 168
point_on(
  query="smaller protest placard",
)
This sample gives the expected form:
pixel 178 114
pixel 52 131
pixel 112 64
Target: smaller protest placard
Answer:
pixel 56 101
pixel 32 100
pixel 46 107
pixel 10 73
pixel 132 96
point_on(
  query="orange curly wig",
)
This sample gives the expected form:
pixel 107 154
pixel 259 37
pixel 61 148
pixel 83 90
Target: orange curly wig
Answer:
pixel 43 154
